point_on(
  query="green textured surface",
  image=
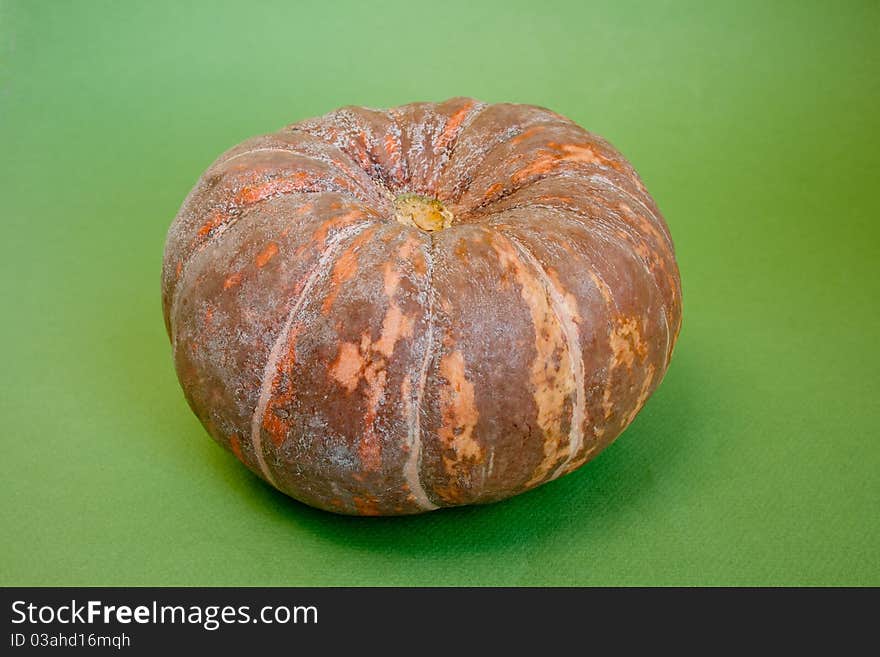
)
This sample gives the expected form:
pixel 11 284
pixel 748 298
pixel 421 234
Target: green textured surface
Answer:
pixel 754 125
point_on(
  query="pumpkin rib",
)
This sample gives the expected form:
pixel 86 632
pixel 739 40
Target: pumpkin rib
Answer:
pixel 330 178
pixel 549 387
pixel 645 265
pixel 657 222
pixel 575 353
pixel 480 411
pixel 598 232
pixel 392 115
pixel 631 254
pixel 526 155
pixel 373 172
pixel 412 466
pixel 623 248
pixel 596 229
pixel 491 150
pixel 526 203
pixel 213 237
pixel 517 188
pixel 474 112
pixel 374 165
pixel 593 272
pixel 505 193
pixel 275 353
pixel 478 211
pixel 233 302
pixel 309 156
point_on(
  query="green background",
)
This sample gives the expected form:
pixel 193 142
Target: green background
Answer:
pixel 755 126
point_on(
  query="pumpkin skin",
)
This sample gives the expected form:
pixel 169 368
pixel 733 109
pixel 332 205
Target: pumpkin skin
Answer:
pixel 388 312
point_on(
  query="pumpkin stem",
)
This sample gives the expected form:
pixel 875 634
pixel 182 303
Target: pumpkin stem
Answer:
pixel 422 212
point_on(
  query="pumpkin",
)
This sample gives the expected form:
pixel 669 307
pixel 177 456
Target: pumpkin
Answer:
pixel 440 304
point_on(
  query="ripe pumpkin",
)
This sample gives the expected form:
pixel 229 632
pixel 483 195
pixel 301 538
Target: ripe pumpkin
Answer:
pixel 387 312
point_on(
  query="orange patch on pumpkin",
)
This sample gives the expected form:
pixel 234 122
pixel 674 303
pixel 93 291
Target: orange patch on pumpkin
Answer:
pixel 525 134
pixel 361 149
pixel 607 405
pixel 299 181
pixel 366 506
pixel 305 208
pixel 542 164
pixel 348 366
pixel 370 448
pixel 390 279
pixel 215 220
pixel 458 408
pixel 409 246
pixel 392 150
pixel 452 127
pixel 550 198
pixel 626 343
pixel 339 221
pixel 603 288
pixel 345 268
pixel 235 444
pixel 232 280
pixel 394 326
pixel 556 154
pixel 579 153
pixel 420 263
pixel 492 191
pixel 267 254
